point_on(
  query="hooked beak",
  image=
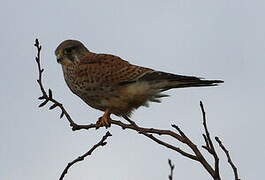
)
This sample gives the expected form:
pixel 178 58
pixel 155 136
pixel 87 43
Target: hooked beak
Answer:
pixel 59 59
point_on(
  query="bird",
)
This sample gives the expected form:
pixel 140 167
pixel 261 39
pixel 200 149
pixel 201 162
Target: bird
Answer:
pixel 108 83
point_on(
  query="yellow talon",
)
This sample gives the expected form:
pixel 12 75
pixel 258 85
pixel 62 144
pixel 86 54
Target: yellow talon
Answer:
pixel 104 120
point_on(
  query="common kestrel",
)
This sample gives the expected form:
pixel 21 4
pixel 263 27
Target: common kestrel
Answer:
pixel 113 85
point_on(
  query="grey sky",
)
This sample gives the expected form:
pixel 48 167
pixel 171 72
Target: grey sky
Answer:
pixel 208 38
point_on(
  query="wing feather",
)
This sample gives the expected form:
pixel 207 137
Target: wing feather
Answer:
pixel 112 69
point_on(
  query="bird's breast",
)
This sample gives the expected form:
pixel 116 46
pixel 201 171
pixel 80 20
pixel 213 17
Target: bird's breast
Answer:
pixel 88 86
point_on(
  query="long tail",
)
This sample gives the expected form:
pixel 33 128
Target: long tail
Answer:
pixel 165 81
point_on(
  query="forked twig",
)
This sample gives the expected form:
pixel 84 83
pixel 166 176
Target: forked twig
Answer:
pixel 48 97
pixel 88 153
pixel 209 145
pixel 171 166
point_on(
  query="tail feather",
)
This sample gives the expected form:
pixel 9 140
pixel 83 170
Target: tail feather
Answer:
pixel 200 83
pixel 165 81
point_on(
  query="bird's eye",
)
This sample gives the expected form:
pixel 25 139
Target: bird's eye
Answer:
pixel 68 50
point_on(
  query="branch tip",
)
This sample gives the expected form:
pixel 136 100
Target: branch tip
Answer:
pixel 234 168
pixel 36 42
pixel 171 166
pixel 50 93
pixel 53 106
pixel 42 104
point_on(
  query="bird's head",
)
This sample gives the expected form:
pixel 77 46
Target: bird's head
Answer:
pixel 70 51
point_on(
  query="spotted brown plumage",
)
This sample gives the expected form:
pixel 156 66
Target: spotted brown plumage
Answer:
pixel 113 85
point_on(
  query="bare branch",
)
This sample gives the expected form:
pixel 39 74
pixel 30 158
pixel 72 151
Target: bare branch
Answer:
pixel 188 155
pixel 228 158
pixel 88 153
pixel 209 145
pixel 151 136
pixel 171 166
pixel 49 98
pixel 196 151
pixel 136 128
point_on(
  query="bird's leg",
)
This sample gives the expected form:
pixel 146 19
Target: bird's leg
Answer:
pixel 104 120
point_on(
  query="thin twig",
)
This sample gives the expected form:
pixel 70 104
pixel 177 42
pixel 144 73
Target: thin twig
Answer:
pixel 169 146
pixel 151 136
pixel 48 97
pixel 171 166
pixel 209 145
pixel 196 151
pixel 228 158
pixel 88 153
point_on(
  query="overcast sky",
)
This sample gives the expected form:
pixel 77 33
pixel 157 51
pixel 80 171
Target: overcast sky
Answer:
pixel 215 39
